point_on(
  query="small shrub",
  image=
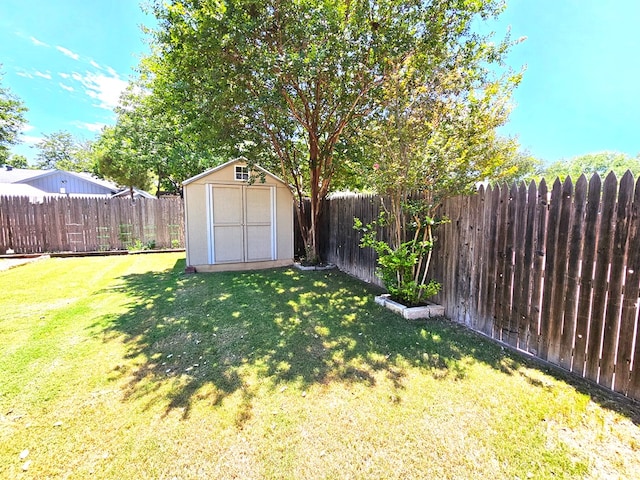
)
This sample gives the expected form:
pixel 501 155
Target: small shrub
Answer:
pixel 403 270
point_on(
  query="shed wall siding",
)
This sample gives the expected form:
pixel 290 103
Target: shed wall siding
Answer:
pixel 284 219
pixel 196 224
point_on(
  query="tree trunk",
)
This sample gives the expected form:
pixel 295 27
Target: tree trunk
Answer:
pixel 309 221
pixel 309 228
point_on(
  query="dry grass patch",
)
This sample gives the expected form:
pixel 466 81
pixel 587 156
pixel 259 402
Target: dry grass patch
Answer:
pixel 124 367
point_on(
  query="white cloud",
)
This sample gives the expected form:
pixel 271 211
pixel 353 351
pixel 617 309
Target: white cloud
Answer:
pixel 65 75
pixel 95 64
pixel 46 75
pixel 105 89
pixel 37 42
pixel 112 71
pixel 92 127
pixel 27 128
pixel 66 87
pixel 22 73
pixel 31 140
pixel 67 52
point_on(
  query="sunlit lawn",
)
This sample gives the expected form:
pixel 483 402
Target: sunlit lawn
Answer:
pixel 124 367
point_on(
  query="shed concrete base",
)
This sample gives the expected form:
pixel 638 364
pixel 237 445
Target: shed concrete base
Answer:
pixel 234 267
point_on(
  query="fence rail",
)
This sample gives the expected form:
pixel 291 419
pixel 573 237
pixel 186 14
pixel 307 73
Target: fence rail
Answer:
pixel 553 273
pixel 89 224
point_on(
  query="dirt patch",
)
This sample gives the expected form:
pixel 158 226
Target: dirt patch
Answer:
pixel 7 263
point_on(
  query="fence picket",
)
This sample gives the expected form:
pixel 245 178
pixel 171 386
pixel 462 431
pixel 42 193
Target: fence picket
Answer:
pixel 484 197
pixel 501 246
pixel 546 313
pixel 560 274
pixel 572 273
pixel 629 314
pixel 586 291
pixel 616 278
pixel 600 283
pixel 85 224
pixel 527 267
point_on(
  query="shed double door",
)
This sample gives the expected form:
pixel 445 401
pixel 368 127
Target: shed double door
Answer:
pixel 242 223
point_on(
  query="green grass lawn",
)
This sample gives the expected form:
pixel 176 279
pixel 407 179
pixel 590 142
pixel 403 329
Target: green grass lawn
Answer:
pixel 124 367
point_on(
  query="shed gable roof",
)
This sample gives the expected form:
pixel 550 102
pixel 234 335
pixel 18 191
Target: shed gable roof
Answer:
pixel 226 164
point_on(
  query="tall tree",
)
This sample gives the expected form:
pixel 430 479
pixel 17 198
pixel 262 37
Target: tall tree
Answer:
pixel 437 136
pixel 159 139
pixel 285 82
pixel 117 159
pixel 61 150
pixel 12 119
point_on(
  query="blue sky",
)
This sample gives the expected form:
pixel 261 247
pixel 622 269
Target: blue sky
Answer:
pixel 581 90
pixel 68 60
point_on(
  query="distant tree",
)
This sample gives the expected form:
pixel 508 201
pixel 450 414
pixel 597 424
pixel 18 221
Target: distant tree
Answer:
pixel 601 163
pixel 17 161
pixel 159 139
pixel 12 119
pixel 84 157
pixel 55 149
pixel 117 159
pixel 61 150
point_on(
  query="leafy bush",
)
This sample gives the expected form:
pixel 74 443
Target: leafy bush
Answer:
pixel 403 269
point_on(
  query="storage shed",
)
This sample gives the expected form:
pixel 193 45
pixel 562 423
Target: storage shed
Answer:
pixel 232 223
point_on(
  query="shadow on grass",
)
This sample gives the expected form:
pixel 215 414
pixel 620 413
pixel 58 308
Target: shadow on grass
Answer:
pixel 212 335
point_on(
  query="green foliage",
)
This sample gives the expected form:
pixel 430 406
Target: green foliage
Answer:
pixel 17 161
pixel 402 269
pixel 62 151
pixel 521 166
pixel 12 120
pixel 152 143
pixel 601 163
pixel 437 134
pixel 138 245
pixel 291 85
pixel 117 159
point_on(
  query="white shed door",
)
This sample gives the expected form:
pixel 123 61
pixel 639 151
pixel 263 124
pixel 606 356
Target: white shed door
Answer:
pixel 227 222
pixel 258 232
pixel 242 224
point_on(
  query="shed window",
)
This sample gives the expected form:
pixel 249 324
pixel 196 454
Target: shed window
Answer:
pixel 242 173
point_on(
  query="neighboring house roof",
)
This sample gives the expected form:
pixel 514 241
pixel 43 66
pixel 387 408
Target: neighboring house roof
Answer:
pixel 59 182
pixel 136 193
pixel 226 164
pixel 20 190
pixel 15 175
pixel 24 175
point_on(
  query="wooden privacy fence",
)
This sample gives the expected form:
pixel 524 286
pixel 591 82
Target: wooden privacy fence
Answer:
pixel 76 224
pixel 556 274
pixel 553 273
pixel 340 243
